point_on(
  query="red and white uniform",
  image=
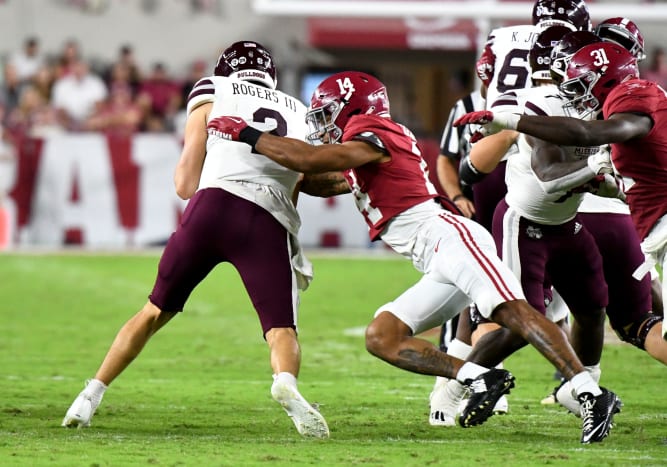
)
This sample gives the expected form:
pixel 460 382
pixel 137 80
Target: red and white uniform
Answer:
pixel 643 161
pixel 456 255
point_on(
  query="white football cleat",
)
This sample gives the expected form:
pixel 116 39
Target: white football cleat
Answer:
pixel 444 401
pixel 308 421
pixel 81 411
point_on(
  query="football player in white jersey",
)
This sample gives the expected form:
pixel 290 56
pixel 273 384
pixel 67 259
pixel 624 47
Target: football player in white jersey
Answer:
pixel 382 164
pixel 607 219
pixel 503 66
pixel 240 211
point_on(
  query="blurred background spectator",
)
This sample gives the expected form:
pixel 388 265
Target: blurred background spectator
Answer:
pixel 33 116
pixel 119 115
pixel 657 70
pixel 126 65
pixel 27 60
pixel 160 96
pixel 77 93
pixel 67 58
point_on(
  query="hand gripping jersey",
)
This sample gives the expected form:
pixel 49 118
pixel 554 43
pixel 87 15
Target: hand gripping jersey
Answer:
pixel 383 191
pixel 643 161
pixel 263 108
pixel 524 192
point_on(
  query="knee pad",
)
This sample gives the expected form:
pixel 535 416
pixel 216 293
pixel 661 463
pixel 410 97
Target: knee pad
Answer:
pixel 635 333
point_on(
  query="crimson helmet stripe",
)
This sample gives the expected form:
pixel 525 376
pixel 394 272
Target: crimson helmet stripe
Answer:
pixel 340 96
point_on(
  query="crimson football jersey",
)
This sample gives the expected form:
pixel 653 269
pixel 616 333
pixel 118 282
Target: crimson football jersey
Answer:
pixel 384 190
pixel 643 160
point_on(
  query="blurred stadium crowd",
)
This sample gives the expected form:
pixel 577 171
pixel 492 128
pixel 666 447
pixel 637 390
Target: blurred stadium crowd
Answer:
pixel 42 95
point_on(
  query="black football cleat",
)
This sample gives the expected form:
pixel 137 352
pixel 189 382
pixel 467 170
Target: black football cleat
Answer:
pixel 485 390
pixel 597 413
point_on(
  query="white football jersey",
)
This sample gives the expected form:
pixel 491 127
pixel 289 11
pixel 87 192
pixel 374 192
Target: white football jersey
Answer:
pixel 263 108
pixel 524 192
pixel 511 70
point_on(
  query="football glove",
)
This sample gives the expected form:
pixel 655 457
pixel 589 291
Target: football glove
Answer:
pixel 600 162
pixel 226 127
pixel 608 186
pixel 492 122
pixel 234 129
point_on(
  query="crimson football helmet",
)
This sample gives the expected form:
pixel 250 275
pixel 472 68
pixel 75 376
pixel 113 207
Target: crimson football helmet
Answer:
pixel 625 33
pixel 569 13
pixel 249 61
pixel 339 97
pixel 539 56
pixel 563 51
pixel 592 73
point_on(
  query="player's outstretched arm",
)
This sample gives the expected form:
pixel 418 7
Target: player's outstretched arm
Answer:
pixel 564 130
pixel 324 184
pixel 293 153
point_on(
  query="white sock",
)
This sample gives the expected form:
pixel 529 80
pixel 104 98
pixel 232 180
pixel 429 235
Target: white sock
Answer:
pixel 96 389
pixel 459 349
pixel 440 380
pixel 285 377
pixel 584 382
pixel 595 372
pixel 470 370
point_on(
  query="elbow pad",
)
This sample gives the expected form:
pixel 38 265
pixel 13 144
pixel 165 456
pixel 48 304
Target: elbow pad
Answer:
pixel 468 173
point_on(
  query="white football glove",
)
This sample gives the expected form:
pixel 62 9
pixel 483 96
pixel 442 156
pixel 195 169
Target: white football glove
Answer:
pixel 609 186
pixel 600 162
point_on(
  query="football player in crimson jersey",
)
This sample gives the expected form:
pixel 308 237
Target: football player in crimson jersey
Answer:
pixel 382 164
pixel 241 212
pixel 503 66
pixel 530 185
pixel 604 77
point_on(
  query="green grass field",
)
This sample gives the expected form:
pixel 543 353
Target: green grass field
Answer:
pixel 199 393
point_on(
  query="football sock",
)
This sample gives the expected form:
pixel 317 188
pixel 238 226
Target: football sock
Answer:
pixel 584 382
pixel 595 372
pixel 470 370
pixel 285 377
pixel 459 349
pixel 96 389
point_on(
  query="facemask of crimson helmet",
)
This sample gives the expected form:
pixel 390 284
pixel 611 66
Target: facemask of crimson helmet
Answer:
pixel 338 98
pixel 248 61
pixel 566 47
pixel 591 75
pixel 623 32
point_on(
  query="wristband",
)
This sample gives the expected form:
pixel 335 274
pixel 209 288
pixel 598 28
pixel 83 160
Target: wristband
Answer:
pixel 250 135
pixel 458 197
pixel 509 121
